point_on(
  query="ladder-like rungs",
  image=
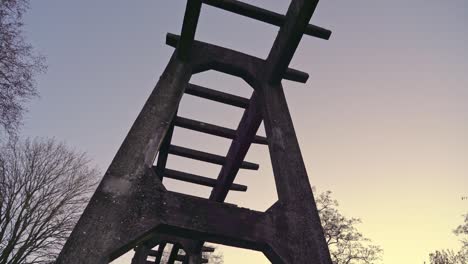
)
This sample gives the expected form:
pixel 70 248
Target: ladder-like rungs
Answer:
pixel 196 179
pixel 180 257
pixel 208 249
pixel 264 15
pixel 206 157
pixel 214 95
pixel 212 129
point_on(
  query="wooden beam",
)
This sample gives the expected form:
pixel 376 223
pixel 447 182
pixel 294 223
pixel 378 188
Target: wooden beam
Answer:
pixel 214 95
pixel 288 38
pixel 196 179
pixel 264 15
pixel 212 129
pixel 207 157
pixel 189 26
pixel 247 129
pixel 235 56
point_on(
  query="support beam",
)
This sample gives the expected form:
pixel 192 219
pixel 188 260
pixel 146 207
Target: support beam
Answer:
pixel 160 252
pixel 118 196
pixel 214 95
pixel 292 185
pixel 192 178
pixel 247 129
pixel 163 152
pixel 185 216
pixel 208 249
pixel 213 129
pixel 141 253
pixel 291 179
pixel 264 15
pixel 233 62
pixel 189 26
pixel 288 38
pixel 206 157
pixel 174 253
pixel 202 219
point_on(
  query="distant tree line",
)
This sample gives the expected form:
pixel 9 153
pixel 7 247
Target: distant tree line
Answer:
pixel 448 256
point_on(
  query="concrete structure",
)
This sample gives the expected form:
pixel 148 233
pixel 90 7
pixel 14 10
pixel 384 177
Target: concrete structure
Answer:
pixel 132 209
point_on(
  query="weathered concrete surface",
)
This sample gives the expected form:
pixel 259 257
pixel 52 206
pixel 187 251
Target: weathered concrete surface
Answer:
pixel 211 57
pixel 106 224
pixel 131 206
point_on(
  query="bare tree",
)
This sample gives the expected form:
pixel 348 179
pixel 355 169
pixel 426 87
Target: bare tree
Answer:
pixel 43 188
pixel 447 256
pixel 347 245
pixel 462 231
pixel 18 65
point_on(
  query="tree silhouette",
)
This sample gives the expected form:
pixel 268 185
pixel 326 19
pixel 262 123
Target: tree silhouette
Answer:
pixel 18 65
pixel 43 189
pixel 347 245
pixel 447 256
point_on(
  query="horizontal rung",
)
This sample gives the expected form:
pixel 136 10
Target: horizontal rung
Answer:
pixel 217 96
pixel 154 253
pixel 180 257
pixel 212 129
pixel 192 178
pixel 290 74
pixel 296 75
pixel 264 16
pixel 207 157
pixel 208 249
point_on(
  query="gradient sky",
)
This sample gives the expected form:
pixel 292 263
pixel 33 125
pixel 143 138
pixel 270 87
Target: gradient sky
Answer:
pixel 382 121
